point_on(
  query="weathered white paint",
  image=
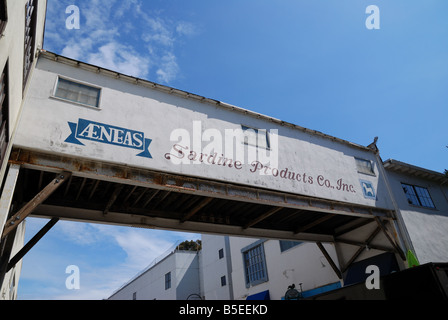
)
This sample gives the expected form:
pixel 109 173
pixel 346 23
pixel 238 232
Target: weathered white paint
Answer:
pixel 8 193
pixel 12 51
pixel 301 264
pixel 213 268
pixel 12 55
pixel 426 227
pixel 44 126
pixel 8 290
pixel 150 285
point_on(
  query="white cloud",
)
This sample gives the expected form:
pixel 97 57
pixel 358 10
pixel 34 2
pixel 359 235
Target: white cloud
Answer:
pixel 168 68
pixel 186 28
pixel 43 272
pixel 113 33
pixel 120 58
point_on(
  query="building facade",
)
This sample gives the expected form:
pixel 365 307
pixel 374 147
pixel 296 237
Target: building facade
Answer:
pixel 21 37
pixel 176 277
pixel 422 196
pixel 95 145
pixel 131 152
pixel 245 268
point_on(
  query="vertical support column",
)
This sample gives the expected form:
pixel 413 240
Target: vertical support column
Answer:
pixel 8 193
pixel 5 208
pixel 404 238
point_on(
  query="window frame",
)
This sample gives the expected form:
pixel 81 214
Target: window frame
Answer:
pixel 360 168
pixel 81 83
pixel 247 277
pixel 417 196
pixel 244 128
pixel 168 280
pixel 4 110
pixel 31 34
pixel 3 16
pixel 288 244
pixel 223 281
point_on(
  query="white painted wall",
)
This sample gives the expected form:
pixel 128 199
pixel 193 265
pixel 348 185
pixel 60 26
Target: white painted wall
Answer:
pixel 44 126
pixel 8 290
pixel 12 51
pixel 184 268
pixel 213 268
pixel 301 264
pixel 12 54
pixel 427 228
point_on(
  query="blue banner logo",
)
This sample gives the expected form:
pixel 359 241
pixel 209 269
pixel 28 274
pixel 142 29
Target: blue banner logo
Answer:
pixel 368 189
pixel 104 133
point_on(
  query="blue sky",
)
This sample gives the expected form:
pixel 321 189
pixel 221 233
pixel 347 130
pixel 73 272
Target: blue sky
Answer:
pixel 310 62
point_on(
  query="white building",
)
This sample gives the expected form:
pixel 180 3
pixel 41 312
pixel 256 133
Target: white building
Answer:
pixel 176 277
pixel 235 268
pixel 95 145
pixel 21 36
pixel 422 196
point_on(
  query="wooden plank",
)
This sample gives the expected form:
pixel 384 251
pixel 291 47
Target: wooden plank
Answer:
pixel 8 193
pixel 17 218
pixel 314 223
pixel 262 217
pixel 196 209
pixel 113 198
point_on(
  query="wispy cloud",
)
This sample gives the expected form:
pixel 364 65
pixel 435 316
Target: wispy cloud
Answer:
pixel 120 35
pixel 107 256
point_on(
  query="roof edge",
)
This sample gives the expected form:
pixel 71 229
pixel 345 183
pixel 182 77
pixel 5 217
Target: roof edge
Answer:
pixel 138 81
pixel 399 166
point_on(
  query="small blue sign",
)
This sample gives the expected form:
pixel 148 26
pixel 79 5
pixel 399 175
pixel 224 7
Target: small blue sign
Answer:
pixel 368 189
pixel 104 133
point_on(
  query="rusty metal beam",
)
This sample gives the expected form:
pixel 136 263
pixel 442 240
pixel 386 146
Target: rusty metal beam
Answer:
pixel 330 260
pixel 144 221
pixel 31 243
pixel 189 185
pixel 18 217
pixel 262 217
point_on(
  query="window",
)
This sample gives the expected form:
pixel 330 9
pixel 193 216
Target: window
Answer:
pixel 167 280
pixel 134 296
pixel 4 113
pixel 30 35
pixel 77 92
pixel 256 137
pixel 418 196
pixel 286 244
pixel 221 253
pixel 364 166
pixel 3 16
pixel 223 281
pixel 254 264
